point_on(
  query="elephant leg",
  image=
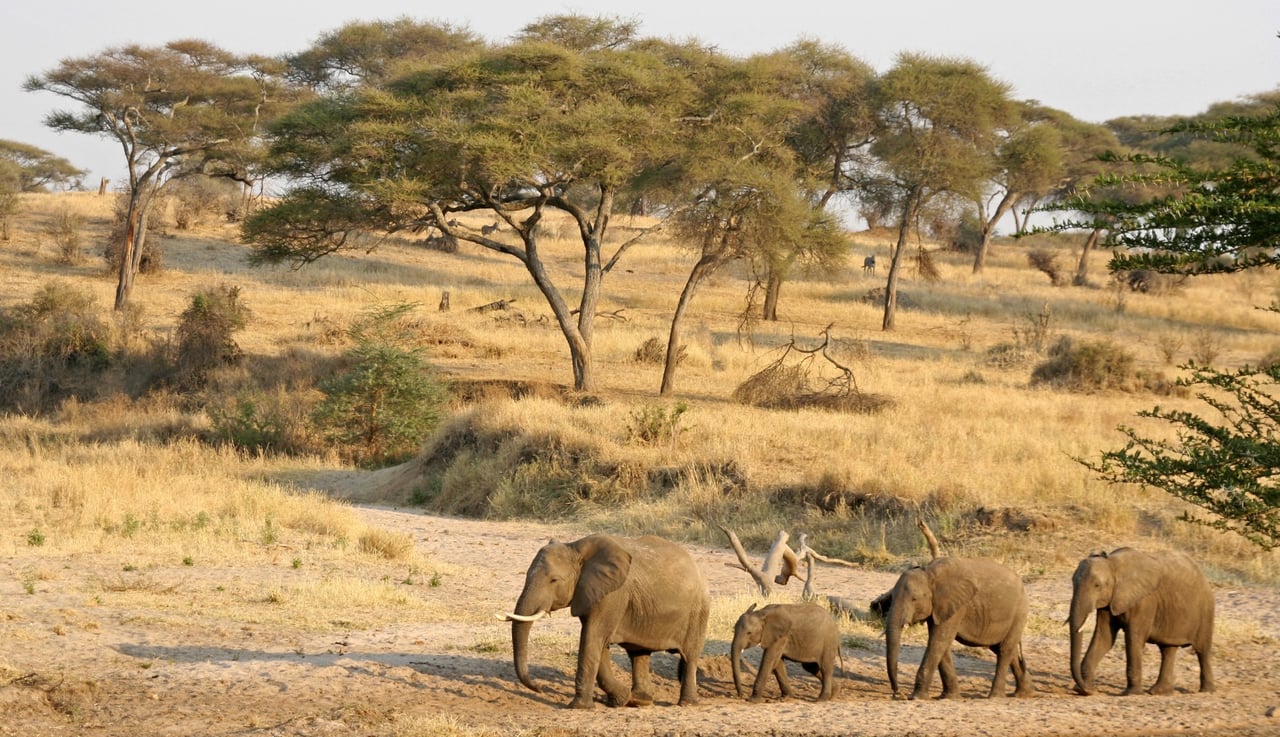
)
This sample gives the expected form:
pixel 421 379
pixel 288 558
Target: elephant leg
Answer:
pixel 1104 637
pixel 827 674
pixel 694 641
pixel 615 688
pixel 1206 669
pixel 1134 642
pixel 950 681
pixel 1164 683
pixel 1004 661
pixel 641 682
pixel 590 652
pixel 770 663
pixel 938 649
pixel 784 683
pixel 1021 676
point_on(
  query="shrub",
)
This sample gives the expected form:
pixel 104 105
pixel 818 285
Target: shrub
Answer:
pixel 249 425
pixel 652 423
pixel 52 348
pixel 65 232
pixel 1087 366
pixel 382 407
pixel 1048 263
pixel 203 339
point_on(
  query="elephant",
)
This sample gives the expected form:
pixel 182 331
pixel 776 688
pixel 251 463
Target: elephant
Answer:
pixel 646 594
pixel 802 633
pixel 1159 598
pixel 978 602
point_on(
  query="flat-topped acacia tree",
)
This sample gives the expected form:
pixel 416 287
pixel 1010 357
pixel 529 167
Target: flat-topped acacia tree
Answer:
pixel 184 108
pixel 566 118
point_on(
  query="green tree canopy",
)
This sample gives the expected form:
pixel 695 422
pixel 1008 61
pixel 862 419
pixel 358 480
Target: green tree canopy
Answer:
pixel 517 131
pixel 370 53
pixel 30 168
pixel 938 126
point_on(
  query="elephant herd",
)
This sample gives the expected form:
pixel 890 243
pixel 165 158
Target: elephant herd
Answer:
pixel 647 595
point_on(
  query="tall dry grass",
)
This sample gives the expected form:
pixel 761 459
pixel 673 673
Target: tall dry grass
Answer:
pixel 964 433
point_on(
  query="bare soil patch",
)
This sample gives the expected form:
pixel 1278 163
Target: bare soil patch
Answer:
pixel 70 665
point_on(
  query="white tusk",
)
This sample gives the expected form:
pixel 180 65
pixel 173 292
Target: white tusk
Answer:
pixel 523 617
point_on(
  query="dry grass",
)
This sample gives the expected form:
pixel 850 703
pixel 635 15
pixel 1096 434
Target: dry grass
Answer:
pixel 958 434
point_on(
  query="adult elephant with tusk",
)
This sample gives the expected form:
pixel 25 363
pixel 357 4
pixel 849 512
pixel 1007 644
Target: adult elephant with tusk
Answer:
pixel 1161 598
pixel 645 594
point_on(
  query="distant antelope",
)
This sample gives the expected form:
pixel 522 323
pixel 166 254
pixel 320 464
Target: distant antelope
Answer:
pixel 869 264
pixel 487 229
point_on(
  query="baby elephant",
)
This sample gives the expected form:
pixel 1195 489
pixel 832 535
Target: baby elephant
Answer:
pixel 801 633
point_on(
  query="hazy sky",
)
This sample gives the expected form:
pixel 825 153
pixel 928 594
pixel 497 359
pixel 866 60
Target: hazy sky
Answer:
pixel 1096 59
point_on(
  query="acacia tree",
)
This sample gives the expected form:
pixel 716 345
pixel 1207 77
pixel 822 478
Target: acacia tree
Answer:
pixel 517 131
pixel 1205 219
pixel 32 169
pixel 828 135
pixel 173 109
pixel 938 120
pixel 736 189
pixel 1028 160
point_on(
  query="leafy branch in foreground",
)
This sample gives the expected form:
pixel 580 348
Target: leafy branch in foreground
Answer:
pixel 1227 469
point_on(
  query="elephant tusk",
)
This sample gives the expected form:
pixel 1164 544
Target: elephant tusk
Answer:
pixel 511 617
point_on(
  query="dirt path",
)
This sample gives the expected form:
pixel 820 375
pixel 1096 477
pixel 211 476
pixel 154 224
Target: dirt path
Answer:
pixel 123 672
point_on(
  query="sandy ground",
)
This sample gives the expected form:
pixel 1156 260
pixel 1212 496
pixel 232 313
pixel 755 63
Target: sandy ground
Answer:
pixel 67 667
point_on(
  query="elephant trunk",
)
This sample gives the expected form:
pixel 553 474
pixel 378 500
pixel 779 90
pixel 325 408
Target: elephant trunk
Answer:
pixel 735 654
pixel 1080 610
pixel 520 627
pixel 520 653
pixel 893 627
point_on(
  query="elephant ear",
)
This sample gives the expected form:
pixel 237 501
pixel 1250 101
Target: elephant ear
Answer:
pixel 604 571
pixel 774 629
pixel 1136 578
pixel 952 593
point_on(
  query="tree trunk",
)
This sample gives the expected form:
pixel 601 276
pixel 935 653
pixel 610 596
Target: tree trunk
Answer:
pixel 772 290
pixel 705 266
pixel 909 210
pixel 988 231
pixel 579 342
pixel 1082 266
pixel 131 252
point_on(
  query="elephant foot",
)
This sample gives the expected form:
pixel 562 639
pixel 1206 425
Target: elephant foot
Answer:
pixel 1024 692
pixel 688 701
pixel 1207 688
pixel 640 699
pixel 581 703
pixel 922 695
pixel 1083 691
pixel 1160 690
pixel 1132 691
pixel 756 699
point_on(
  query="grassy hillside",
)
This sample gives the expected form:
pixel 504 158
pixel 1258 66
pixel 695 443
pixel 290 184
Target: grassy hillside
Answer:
pixel 964 439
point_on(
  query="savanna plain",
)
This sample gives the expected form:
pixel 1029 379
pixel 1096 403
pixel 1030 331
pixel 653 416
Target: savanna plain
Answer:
pixel 155 579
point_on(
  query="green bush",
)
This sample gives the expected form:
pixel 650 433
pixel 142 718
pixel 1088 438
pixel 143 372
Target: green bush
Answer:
pixel 381 408
pixel 250 425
